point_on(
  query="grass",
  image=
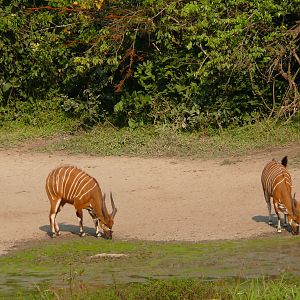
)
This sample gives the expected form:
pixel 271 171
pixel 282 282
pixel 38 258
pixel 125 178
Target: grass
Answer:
pixel 15 134
pixel 195 289
pixel 67 265
pixel 169 143
pixel 285 287
pixel 61 135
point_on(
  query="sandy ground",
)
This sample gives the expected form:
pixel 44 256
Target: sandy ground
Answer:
pixel 157 199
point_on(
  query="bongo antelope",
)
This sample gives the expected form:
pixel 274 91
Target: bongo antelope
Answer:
pixel 276 182
pixel 71 185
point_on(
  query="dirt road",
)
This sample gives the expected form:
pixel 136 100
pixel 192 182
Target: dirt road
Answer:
pixel 157 199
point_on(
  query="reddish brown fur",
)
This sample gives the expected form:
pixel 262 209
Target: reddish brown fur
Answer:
pixel 276 183
pixel 73 186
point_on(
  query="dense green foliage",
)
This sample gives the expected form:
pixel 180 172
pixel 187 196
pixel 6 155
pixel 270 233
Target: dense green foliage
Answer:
pixel 192 64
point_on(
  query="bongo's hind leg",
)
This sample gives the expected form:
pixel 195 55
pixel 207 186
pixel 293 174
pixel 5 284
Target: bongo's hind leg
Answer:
pixel 268 201
pixel 55 205
pixel 79 214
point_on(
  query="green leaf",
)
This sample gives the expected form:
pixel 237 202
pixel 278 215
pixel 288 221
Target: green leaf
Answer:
pixel 6 87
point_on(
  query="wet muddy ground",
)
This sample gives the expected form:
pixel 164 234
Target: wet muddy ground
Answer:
pixel 270 256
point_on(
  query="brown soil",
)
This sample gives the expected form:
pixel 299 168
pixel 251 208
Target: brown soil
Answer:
pixel 157 199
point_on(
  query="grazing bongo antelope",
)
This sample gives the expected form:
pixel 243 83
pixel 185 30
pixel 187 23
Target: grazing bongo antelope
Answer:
pixel 71 185
pixel 276 182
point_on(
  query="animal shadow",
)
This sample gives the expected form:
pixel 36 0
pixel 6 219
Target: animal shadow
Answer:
pixel 73 229
pixel 265 219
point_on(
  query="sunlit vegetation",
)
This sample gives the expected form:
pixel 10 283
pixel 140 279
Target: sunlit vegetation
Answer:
pixel 191 65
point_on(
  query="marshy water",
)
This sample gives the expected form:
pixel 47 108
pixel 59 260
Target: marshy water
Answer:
pixel 78 261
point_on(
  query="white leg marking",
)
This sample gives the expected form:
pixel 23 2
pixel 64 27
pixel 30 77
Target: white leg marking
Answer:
pixel 81 233
pixel 278 226
pixel 52 218
pixel 269 209
pixel 56 210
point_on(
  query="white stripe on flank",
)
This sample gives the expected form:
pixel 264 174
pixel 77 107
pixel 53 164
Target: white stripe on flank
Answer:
pixel 87 191
pixel 59 186
pixel 53 176
pixel 82 189
pixel 276 184
pixel 78 183
pixel 68 179
pixel 58 181
pixel 74 183
pixel 270 175
pixel 48 187
pixel 63 183
pixel 270 171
